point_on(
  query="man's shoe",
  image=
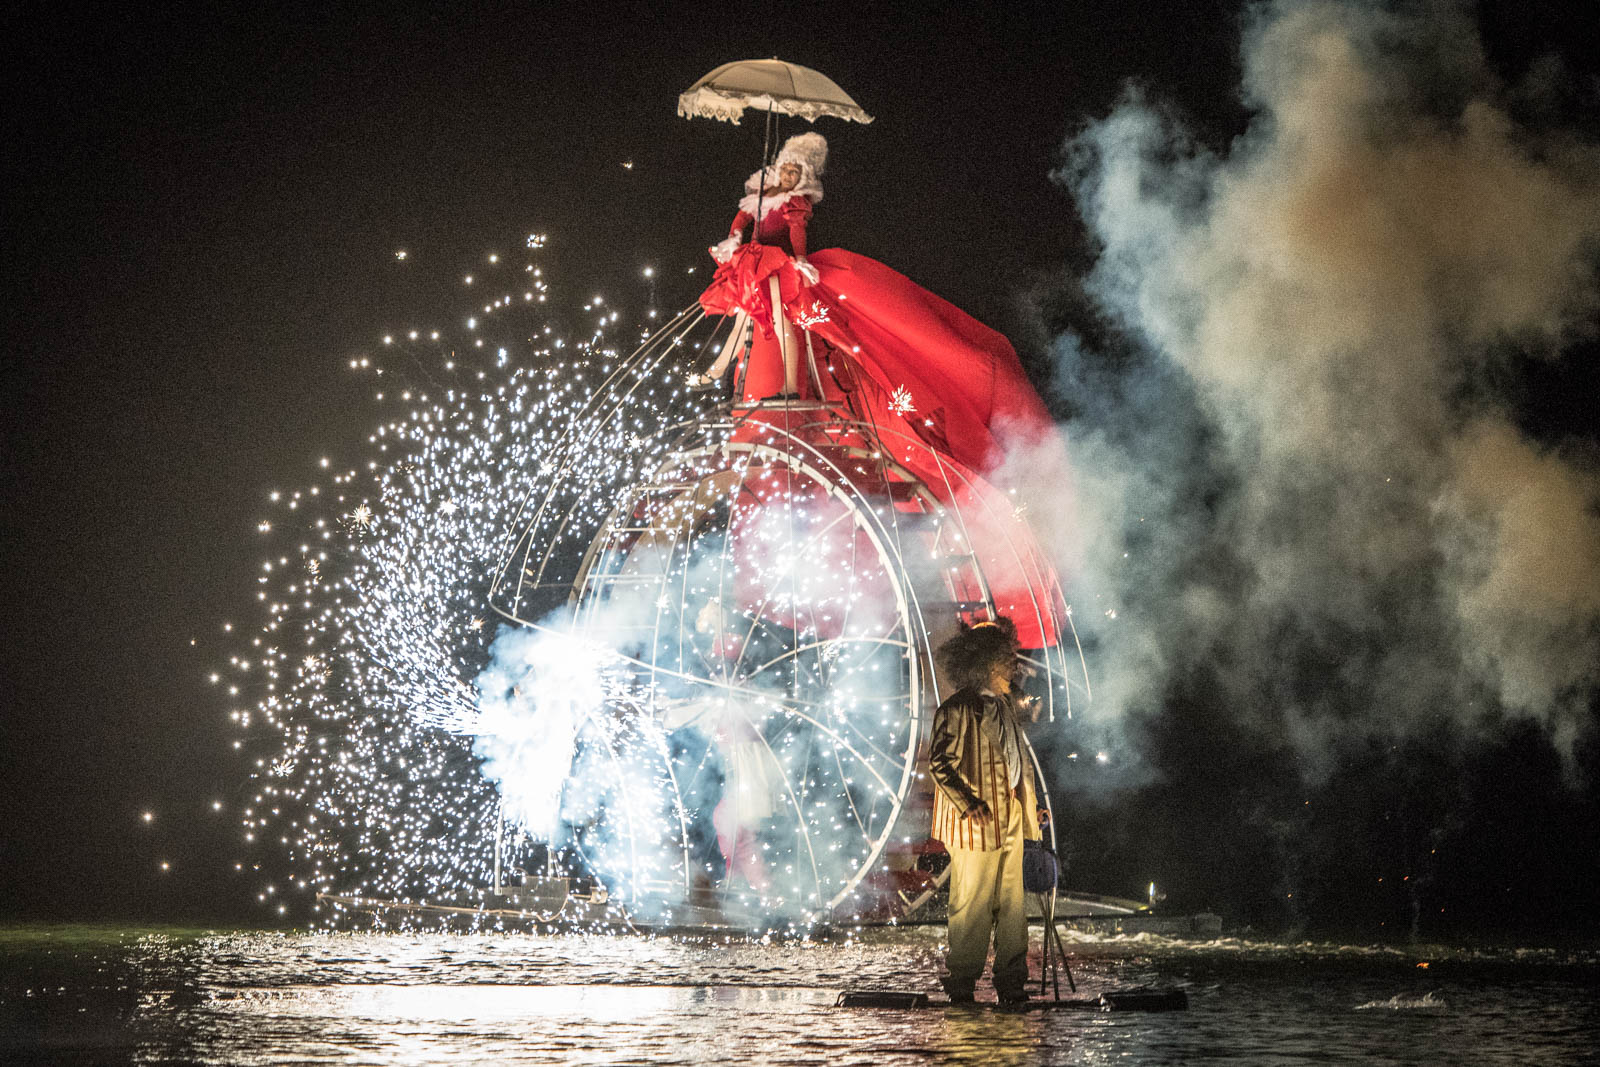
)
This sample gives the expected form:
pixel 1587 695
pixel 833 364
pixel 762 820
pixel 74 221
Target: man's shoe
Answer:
pixel 959 992
pixel 1014 1000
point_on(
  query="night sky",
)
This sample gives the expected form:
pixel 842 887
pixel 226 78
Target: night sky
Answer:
pixel 202 212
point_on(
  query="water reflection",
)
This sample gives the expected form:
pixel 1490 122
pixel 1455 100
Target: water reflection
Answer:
pixel 456 1003
pixel 998 1038
pixel 654 1024
pixel 392 998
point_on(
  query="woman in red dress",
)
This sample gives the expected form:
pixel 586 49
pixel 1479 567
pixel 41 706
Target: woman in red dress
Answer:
pixel 756 281
pixel 852 333
pixel 888 346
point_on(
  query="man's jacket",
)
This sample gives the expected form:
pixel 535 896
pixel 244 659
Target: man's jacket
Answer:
pixel 967 763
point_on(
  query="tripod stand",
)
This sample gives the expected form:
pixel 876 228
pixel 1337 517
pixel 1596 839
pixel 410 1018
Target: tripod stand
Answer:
pixel 1054 951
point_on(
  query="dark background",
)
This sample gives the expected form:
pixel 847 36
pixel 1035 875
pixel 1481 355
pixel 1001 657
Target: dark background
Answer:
pixel 202 210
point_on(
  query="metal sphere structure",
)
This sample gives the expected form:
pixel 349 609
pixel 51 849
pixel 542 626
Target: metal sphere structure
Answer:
pixel 768 585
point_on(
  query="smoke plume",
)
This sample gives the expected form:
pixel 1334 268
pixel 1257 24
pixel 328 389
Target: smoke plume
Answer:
pixel 1304 489
pixel 535 696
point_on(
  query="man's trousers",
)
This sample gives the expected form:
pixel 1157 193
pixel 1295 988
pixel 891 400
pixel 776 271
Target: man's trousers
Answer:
pixel 985 897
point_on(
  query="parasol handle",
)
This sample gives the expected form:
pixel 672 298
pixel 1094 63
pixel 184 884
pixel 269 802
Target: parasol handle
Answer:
pixel 761 182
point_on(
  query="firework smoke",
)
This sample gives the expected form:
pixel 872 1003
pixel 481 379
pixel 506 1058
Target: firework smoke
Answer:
pixel 534 697
pixel 1315 506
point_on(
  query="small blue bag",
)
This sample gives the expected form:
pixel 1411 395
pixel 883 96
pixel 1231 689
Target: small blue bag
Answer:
pixel 1040 871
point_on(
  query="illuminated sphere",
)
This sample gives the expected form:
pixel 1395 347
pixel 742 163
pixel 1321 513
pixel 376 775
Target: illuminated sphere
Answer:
pixel 773 578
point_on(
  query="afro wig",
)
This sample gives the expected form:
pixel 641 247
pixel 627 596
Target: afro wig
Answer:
pixel 969 656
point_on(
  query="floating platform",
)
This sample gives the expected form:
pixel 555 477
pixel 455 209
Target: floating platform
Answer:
pixel 1142 998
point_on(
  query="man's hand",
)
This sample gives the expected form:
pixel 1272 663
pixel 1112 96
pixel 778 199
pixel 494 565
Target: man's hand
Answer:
pixel 979 813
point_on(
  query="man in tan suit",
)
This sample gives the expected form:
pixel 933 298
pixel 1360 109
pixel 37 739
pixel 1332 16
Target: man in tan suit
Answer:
pixel 984 807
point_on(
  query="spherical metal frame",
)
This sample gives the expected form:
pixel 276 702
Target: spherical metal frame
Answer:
pixel 806 441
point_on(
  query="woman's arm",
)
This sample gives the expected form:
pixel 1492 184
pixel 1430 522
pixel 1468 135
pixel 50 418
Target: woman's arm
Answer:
pixel 722 251
pixel 797 213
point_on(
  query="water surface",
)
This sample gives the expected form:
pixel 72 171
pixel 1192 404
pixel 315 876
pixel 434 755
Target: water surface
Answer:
pixel 106 995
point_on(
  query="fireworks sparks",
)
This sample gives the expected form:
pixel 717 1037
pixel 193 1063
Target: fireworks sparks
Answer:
pixel 740 646
pixel 364 700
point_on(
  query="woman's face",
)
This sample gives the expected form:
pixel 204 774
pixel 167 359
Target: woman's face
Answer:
pixel 788 177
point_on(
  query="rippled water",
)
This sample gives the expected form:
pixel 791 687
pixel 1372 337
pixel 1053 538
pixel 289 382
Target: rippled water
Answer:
pixel 97 995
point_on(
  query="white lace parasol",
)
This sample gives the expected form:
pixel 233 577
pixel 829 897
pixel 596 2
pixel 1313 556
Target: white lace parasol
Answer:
pixel 770 85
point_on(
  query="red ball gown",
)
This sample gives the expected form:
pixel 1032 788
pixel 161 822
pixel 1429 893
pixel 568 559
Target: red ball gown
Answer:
pixel 917 369
pixel 951 380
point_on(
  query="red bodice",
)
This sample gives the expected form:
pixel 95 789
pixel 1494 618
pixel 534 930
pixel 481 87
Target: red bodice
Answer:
pixel 783 225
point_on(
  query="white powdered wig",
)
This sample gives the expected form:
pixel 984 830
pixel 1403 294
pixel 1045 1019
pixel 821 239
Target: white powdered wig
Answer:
pixel 810 151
